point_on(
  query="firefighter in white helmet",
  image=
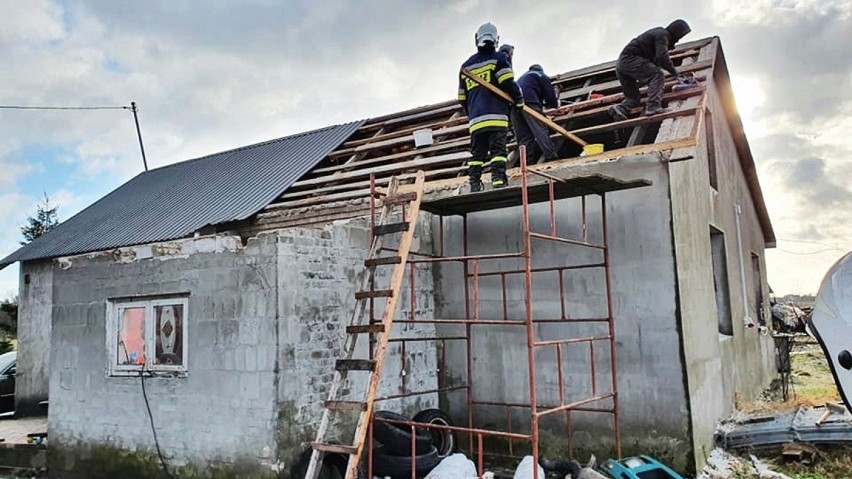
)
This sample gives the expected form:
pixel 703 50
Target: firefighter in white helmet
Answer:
pixel 488 114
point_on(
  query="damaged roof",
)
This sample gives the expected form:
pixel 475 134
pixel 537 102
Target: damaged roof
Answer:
pixel 177 200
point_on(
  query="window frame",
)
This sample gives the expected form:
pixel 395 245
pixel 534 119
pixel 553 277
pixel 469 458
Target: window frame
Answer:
pixel 113 310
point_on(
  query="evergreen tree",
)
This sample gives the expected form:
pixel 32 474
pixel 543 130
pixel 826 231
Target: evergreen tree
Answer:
pixel 45 220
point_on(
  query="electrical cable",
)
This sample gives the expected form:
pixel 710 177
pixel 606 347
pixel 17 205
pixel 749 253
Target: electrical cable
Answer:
pixel 153 429
pixel 808 253
pixel 19 107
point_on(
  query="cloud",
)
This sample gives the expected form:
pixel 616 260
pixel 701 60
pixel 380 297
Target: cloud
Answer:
pixel 235 73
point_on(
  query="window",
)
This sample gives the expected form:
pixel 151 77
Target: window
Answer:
pixel 758 289
pixel 149 335
pixel 720 282
pixel 711 148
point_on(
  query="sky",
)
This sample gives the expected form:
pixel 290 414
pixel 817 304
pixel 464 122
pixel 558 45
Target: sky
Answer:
pixel 210 76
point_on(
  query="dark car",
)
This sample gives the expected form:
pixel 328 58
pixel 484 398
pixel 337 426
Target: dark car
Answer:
pixel 8 361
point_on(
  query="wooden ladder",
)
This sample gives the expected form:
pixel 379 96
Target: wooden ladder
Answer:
pixel 358 326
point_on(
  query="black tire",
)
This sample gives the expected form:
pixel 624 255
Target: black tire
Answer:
pixel 396 438
pixel 333 465
pixel 443 440
pixel 399 467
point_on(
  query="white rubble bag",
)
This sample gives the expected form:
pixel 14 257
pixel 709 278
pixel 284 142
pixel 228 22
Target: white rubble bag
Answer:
pixel 525 469
pixel 831 324
pixel 456 466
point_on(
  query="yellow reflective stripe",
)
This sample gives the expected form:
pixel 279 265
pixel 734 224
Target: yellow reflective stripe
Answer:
pixel 497 182
pixel 499 159
pixel 462 96
pixel 483 69
pixel 489 123
pixel 475 163
pixel 505 76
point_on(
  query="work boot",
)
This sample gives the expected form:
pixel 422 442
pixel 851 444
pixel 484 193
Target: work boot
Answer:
pixel 498 175
pixel 618 113
pixel 653 110
pixel 475 178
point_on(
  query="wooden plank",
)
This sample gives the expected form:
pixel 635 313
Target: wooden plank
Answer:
pixel 348 186
pixel 609 67
pixel 378 293
pixel 372 262
pixel 346 405
pixel 355 365
pixel 425 114
pixel 642 120
pixel 411 164
pixel 334 448
pixel 366 329
pixel 438 125
pixel 398 156
pixel 390 228
pixel 400 198
pixel 615 84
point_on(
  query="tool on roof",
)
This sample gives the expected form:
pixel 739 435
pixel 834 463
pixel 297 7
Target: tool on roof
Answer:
pixel 379 332
pixel 588 149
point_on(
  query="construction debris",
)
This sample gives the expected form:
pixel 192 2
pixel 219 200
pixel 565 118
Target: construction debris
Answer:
pixel 721 465
pixel 771 430
pixel 789 317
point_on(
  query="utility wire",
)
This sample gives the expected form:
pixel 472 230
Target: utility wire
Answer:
pixel 153 429
pixel 18 107
pixel 808 253
pixel 132 108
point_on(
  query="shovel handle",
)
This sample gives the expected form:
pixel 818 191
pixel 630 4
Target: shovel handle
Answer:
pixel 538 116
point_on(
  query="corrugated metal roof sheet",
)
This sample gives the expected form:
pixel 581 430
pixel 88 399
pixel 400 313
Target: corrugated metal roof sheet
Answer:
pixel 176 200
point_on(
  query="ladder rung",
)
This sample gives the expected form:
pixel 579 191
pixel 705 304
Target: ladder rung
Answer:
pixel 383 260
pixel 366 329
pixel 400 198
pixel 355 365
pixel 390 228
pixel 335 448
pixel 379 293
pixel 346 405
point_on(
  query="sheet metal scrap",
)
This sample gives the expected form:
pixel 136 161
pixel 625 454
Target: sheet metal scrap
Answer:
pixel 805 425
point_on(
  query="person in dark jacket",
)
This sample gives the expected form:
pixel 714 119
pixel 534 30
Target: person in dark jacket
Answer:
pixel 641 62
pixel 507 49
pixel 488 114
pixel 531 133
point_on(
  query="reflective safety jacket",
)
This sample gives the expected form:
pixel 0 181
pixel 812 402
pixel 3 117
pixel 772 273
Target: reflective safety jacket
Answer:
pixel 485 109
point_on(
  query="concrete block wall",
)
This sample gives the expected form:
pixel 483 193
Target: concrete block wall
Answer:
pixel 223 409
pixel 318 275
pixel 33 369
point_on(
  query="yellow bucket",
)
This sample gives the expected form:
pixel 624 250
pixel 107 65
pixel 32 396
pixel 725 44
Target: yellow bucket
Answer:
pixel 593 149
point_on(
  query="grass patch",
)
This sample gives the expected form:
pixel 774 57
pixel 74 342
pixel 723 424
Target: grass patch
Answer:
pixel 811 383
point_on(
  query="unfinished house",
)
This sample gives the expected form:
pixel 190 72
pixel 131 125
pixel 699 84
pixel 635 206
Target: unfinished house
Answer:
pixel 612 303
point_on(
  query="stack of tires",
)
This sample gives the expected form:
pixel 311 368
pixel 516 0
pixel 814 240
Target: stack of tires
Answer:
pixel 393 456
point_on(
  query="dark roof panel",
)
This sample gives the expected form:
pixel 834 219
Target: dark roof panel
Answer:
pixel 176 200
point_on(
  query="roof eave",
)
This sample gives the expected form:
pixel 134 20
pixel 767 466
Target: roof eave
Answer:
pixel 722 80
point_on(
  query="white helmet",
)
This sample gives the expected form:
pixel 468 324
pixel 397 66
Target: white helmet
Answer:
pixel 487 33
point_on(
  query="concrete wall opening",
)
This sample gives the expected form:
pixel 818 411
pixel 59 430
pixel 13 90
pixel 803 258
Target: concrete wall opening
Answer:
pixel 720 282
pixel 711 149
pixel 757 284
